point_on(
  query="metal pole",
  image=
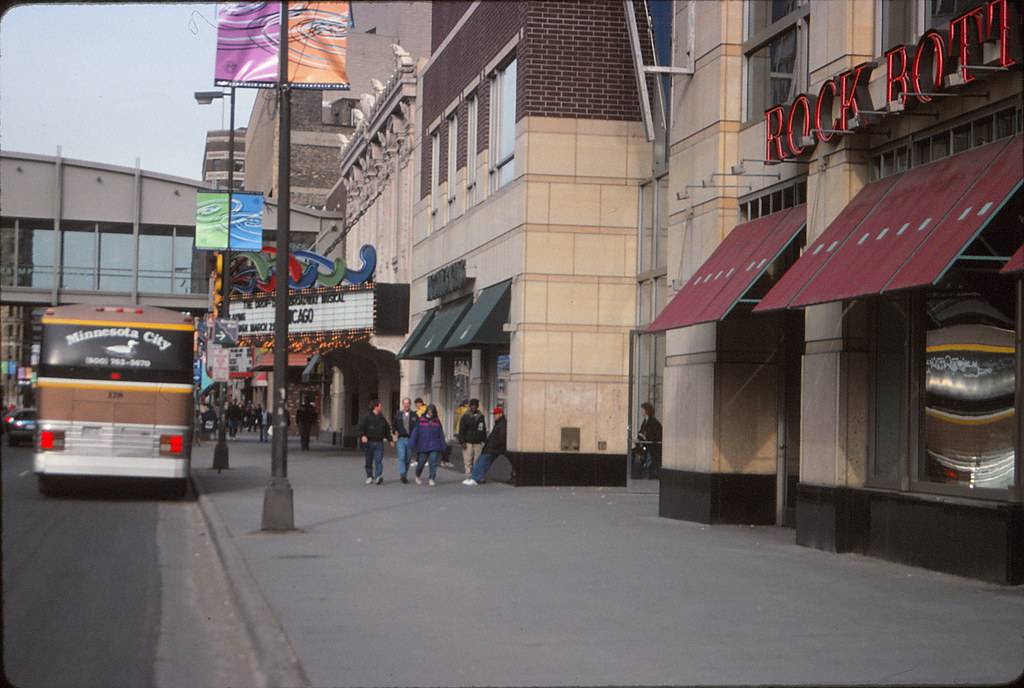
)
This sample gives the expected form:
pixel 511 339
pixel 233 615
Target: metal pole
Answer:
pixel 278 507
pixel 220 451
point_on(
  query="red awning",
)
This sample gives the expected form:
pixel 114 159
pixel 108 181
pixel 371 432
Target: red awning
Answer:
pixel 723 279
pixel 1016 262
pixel 905 231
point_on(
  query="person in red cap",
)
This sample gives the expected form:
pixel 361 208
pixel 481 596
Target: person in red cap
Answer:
pixel 492 449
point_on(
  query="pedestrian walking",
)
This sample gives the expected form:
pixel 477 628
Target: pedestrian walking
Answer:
pixel 649 438
pixel 402 426
pixel 234 414
pixel 306 417
pixel 373 432
pixel 420 407
pixel 492 449
pixel 472 434
pixel 427 440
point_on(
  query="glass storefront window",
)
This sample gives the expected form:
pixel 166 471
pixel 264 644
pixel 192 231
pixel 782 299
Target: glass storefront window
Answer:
pixel 969 420
pixel 890 332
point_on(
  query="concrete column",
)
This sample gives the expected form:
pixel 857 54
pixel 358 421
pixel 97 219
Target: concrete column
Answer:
pixel 834 417
pixel 477 382
pixel 337 403
pixel 437 386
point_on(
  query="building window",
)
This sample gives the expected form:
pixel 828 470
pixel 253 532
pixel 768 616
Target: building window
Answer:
pixel 776 53
pixel 156 259
pixel 773 200
pixel 503 125
pixel 922 149
pixel 116 244
pixel 653 234
pixel 78 262
pixel 435 176
pixel 472 114
pixel 453 163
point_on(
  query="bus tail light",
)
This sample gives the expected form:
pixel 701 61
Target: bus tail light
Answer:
pixel 51 440
pixel 171 444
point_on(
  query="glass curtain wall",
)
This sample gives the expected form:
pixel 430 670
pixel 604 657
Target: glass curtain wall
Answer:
pixel 100 256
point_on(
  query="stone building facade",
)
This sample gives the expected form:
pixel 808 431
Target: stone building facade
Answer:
pixel 531 153
pixel 839 351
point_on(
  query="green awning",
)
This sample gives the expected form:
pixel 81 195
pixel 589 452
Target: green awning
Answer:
pixel 483 324
pixel 410 341
pixel 437 331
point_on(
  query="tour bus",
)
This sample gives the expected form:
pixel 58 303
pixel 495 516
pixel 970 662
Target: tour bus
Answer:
pixel 114 395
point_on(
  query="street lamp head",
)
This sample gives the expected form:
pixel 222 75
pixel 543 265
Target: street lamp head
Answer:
pixel 207 97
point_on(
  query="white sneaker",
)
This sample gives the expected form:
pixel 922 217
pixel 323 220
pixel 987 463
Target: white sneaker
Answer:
pixel 369 481
pixel 419 481
pixel 470 482
pixel 432 483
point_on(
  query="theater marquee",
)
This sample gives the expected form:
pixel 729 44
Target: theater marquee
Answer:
pixel 324 319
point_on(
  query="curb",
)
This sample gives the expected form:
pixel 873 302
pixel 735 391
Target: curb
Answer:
pixel 275 657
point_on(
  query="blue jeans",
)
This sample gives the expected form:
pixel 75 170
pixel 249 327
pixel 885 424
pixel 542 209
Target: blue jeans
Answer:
pixel 403 455
pixel 482 465
pixel 423 458
pixel 374 453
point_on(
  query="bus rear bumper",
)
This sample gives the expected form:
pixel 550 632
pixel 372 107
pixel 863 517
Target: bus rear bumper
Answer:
pixel 55 463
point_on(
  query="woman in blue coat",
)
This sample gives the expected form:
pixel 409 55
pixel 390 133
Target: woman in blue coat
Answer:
pixel 428 441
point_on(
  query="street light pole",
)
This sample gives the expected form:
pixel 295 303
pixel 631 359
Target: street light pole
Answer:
pixel 278 506
pixel 220 451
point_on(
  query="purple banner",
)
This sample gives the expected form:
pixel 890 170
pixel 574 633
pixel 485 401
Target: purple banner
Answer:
pixel 248 44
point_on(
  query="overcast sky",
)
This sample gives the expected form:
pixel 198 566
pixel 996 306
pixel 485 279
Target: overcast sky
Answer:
pixel 112 83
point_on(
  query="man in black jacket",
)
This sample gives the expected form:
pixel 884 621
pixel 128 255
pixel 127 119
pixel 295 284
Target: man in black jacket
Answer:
pixel 472 433
pixel 373 432
pixel 493 448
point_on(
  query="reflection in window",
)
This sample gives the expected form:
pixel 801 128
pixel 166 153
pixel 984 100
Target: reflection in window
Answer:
pixel 8 251
pixel 890 332
pixel 156 259
pixel 969 385
pixel 503 140
pixel 79 256
pixel 35 259
pixel 183 277
pixel 116 243
pixel 776 53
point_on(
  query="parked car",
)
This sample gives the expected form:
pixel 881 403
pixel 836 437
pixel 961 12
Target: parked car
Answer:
pixel 21 425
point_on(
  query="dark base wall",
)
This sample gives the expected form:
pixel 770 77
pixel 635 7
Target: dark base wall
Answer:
pixel 969 538
pixel 717 497
pixel 552 469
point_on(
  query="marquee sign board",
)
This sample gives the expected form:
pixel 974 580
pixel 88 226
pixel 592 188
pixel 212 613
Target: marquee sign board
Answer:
pixel 317 312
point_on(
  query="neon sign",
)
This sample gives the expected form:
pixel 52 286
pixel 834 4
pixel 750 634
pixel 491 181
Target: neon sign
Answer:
pixel 912 73
pixel 253 271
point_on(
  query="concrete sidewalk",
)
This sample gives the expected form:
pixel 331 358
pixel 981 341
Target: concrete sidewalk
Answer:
pixel 406 585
